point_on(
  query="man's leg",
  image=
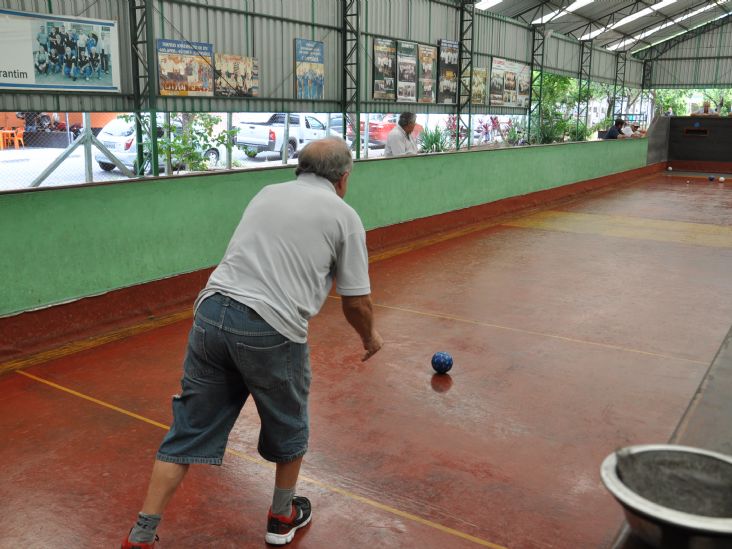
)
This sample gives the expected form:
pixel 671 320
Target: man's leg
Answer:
pixel 285 482
pixel 164 481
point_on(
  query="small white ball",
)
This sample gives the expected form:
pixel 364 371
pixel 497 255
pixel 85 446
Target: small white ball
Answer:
pixel 721 179
pixel 670 169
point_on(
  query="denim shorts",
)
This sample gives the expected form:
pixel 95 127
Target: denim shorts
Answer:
pixel 232 353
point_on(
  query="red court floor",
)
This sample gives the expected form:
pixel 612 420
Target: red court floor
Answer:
pixel 574 331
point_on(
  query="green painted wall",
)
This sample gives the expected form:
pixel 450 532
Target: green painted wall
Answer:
pixel 61 244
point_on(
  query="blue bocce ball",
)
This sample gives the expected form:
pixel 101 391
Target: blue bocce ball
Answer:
pixel 441 362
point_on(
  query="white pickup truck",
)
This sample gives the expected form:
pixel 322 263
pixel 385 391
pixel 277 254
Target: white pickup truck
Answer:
pixel 266 132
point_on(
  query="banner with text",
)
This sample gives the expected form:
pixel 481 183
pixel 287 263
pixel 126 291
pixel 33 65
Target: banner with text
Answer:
pixel 427 73
pixel 384 68
pixel 309 69
pixel 49 52
pixel 448 72
pixel 510 83
pixel 186 68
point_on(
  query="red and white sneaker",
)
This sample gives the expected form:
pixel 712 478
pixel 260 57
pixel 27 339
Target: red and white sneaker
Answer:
pixel 127 544
pixel 281 529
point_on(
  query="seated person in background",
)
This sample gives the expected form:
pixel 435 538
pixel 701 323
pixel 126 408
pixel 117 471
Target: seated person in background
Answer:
pixel 705 110
pixel 400 141
pixel 615 132
pixel 669 112
pixel 632 130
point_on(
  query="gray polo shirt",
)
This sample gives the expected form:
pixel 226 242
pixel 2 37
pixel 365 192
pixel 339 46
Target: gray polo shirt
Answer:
pixel 292 240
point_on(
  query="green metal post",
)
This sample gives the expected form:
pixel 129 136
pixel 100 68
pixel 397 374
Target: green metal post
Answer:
pixel 152 82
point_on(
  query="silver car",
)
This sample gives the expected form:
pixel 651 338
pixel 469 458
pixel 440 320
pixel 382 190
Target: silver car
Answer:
pixel 119 137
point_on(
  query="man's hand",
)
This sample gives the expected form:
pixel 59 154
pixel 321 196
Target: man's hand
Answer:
pixel 358 310
pixel 372 345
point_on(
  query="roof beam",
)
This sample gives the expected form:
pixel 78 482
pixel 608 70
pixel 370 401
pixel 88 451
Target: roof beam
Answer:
pixel 589 22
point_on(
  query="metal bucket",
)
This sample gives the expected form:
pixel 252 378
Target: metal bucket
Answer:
pixel 674 497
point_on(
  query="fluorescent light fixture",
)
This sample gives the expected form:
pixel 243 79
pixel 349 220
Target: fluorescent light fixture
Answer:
pixel 666 25
pixel 485 4
pixel 591 35
pixel 642 13
pixel 682 18
pixel 561 13
pixel 577 5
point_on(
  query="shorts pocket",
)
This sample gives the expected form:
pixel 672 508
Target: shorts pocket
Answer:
pixel 266 368
pixel 197 341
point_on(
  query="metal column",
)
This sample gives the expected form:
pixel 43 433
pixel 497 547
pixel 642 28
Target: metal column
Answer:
pixel 619 85
pixel 350 94
pixel 143 85
pixel 585 72
pixel 465 82
pixel 646 84
pixel 537 83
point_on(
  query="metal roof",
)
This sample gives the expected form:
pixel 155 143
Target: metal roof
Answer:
pixel 618 25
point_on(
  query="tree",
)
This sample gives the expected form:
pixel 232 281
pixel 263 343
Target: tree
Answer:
pixel 719 98
pixel 673 99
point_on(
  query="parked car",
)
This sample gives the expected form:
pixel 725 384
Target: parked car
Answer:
pixel 266 132
pixel 118 136
pixel 380 125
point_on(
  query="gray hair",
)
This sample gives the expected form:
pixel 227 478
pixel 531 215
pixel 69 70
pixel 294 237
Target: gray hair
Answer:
pixel 407 118
pixel 329 158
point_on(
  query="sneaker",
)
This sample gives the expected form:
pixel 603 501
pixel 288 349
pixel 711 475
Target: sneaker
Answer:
pixel 127 544
pixel 281 529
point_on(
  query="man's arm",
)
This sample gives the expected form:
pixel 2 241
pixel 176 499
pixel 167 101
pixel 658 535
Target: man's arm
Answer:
pixel 358 310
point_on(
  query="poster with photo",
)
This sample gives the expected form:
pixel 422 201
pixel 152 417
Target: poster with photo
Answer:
pixel 480 77
pixel 309 69
pixel 236 76
pixel 54 52
pixel 447 84
pixel 510 83
pixel 427 73
pixel 384 68
pixel 407 72
pixel 185 68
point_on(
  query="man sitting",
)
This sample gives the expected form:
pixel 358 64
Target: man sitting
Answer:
pixel 615 132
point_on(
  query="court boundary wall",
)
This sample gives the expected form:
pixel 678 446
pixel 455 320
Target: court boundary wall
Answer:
pixel 87 259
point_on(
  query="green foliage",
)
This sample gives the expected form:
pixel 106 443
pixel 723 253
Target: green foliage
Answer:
pixel 552 130
pixel 602 125
pixel 188 140
pixel 436 140
pixel 674 99
pixel 516 131
pixel 578 131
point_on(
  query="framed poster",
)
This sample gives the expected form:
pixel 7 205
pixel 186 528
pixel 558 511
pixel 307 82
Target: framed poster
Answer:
pixel 185 68
pixel 384 68
pixel 236 76
pixel 427 73
pixel 54 52
pixel 510 83
pixel 447 84
pixel 407 71
pixel 309 69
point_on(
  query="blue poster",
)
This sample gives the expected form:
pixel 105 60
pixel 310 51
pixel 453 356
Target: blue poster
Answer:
pixel 309 69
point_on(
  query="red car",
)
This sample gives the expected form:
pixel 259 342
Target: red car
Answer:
pixel 379 127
